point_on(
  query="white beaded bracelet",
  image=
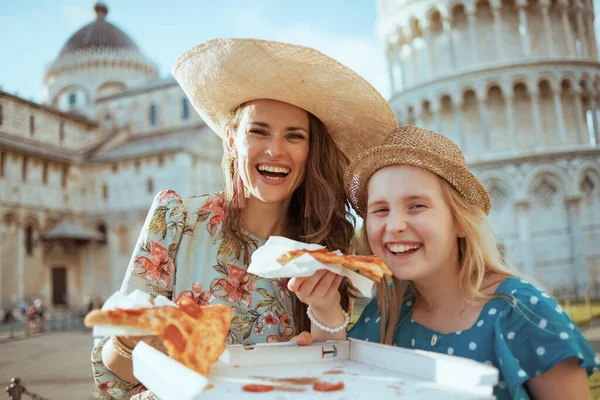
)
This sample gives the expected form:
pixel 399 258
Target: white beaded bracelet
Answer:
pixel 326 328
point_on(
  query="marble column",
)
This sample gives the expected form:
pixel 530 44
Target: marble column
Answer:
pixel 460 127
pixel 523 28
pixel 525 238
pixel 537 119
pixel 582 132
pixel 498 31
pixel 450 39
pixel 594 110
pixel 472 33
pixel 485 125
pixel 570 40
pixel 579 267
pixel 581 31
pixel 510 121
pixel 20 250
pixel 545 7
pixel 558 110
pixel 429 42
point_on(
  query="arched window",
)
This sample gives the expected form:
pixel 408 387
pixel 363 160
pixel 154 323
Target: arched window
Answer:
pixel 29 240
pixel 150 185
pixel 102 231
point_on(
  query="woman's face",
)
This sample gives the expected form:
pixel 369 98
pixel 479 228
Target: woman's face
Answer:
pixel 271 143
pixel 409 222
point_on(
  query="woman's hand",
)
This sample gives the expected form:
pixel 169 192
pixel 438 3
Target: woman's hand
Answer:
pixel 151 340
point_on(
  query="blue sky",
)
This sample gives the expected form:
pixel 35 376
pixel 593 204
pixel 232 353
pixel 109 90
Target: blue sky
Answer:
pixel 32 32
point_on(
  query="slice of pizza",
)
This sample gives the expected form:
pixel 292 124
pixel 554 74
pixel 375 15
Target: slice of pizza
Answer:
pixel 370 266
pixel 193 335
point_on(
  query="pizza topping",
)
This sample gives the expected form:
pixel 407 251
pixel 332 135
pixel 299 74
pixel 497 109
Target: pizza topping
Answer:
pixel 328 387
pixel 254 388
pixel 174 335
pixel 293 381
pixel 334 372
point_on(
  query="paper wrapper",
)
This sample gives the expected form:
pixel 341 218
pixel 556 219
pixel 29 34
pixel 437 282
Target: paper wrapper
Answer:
pixel 264 263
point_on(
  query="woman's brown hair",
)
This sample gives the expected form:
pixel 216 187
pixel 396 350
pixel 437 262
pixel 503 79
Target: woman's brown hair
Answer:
pixel 319 211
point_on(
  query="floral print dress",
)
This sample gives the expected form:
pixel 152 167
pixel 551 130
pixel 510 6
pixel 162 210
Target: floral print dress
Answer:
pixel 183 251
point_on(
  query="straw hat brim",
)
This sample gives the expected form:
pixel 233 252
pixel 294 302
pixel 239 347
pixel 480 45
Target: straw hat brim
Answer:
pixel 363 167
pixel 220 74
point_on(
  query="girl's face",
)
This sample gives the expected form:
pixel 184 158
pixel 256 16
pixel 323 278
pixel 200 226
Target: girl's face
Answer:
pixel 409 223
pixel 272 144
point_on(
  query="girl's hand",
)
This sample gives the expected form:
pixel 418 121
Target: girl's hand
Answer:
pixel 303 339
pixel 319 290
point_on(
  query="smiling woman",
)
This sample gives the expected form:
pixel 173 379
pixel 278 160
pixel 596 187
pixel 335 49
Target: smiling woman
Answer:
pixel 287 135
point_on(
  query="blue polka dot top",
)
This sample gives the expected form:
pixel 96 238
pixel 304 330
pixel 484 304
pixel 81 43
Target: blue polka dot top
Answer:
pixel 523 333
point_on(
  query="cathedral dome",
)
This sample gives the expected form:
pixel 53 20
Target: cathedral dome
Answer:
pixel 99 35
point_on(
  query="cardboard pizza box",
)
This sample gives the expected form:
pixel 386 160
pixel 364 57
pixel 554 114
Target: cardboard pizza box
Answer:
pixel 367 371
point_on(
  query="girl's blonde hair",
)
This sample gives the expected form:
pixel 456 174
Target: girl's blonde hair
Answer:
pixel 478 254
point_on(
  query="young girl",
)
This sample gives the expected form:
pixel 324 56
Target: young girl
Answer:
pixel 425 215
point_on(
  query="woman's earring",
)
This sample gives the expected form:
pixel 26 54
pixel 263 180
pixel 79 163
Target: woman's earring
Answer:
pixel 239 199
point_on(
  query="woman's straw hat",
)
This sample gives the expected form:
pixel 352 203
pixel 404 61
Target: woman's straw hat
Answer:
pixel 220 74
pixel 410 145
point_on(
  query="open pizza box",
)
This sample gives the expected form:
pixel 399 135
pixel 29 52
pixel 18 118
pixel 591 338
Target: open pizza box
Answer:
pixel 367 371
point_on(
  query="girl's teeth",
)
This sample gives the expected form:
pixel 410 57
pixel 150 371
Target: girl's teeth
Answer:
pixel 400 248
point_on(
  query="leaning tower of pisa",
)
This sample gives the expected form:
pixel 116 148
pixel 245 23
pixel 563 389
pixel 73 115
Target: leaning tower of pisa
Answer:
pixel 516 83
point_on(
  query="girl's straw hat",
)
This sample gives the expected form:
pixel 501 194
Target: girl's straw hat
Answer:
pixel 220 74
pixel 410 145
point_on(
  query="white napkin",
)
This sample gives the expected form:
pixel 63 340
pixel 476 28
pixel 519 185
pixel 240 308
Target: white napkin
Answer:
pixel 264 263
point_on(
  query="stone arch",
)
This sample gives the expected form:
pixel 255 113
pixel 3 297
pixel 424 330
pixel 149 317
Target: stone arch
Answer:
pixel 31 228
pixel 567 82
pixel 500 186
pixel 109 88
pixel 102 228
pixel 556 177
pixel 415 28
pixel 549 78
pixel 587 179
pixel 10 219
pixel 520 81
pixel 435 20
pixel 80 88
pixel 492 83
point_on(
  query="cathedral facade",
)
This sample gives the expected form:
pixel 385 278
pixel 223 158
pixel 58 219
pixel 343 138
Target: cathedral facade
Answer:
pixel 78 172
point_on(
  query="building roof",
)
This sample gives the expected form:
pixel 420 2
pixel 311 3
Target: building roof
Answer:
pixel 99 34
pixel 146 87
pixel 42 150
pixel 68 230
pixel 70 115
pixel 168 142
